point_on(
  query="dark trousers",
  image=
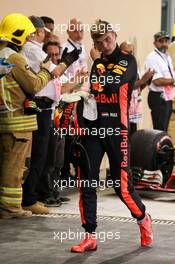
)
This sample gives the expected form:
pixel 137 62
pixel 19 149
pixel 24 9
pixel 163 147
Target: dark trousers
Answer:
pixel 133 128
pixel 38 155
pixel 161 110
pixel 65 171
pixel 54 163
pixel 117 149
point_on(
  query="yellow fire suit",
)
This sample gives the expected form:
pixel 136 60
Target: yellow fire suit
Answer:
pixel 16 127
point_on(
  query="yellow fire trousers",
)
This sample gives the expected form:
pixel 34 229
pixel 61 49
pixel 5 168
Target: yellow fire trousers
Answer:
pixel 15 148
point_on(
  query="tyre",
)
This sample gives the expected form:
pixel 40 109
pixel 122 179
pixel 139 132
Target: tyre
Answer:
pixel 152 150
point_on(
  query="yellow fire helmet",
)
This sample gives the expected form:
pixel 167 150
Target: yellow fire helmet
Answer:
pixel 15 28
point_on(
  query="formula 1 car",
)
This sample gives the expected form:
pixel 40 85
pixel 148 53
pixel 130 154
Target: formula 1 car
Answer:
pixel 152 160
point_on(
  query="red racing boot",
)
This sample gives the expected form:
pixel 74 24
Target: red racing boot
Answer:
pixel 87 244
pixel 146 231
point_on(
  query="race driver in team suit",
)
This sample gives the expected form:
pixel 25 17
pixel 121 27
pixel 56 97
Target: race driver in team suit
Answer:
pixel 112 93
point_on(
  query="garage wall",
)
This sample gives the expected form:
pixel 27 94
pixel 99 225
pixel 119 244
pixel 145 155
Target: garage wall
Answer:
pixel 137 21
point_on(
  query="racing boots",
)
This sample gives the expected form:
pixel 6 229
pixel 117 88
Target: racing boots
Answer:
pixel 146 231
pixel 87 244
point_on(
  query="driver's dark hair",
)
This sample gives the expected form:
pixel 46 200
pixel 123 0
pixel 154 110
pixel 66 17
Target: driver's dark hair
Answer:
pixel 99 28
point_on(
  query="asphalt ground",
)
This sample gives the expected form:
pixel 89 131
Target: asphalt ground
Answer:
pixel 47 239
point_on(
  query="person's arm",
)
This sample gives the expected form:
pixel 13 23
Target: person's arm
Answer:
pixel 143 81
pixel 59 70
pixel 163 81
pixel 131 74
pixel 67 59
pixel 30 82
pixel 158 79
pixel 95 53
pixel 39 59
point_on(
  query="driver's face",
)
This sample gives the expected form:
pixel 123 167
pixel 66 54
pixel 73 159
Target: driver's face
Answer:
pixel 106 43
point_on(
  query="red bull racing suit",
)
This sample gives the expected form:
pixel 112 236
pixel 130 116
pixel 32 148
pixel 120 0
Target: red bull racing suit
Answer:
pixel 112 79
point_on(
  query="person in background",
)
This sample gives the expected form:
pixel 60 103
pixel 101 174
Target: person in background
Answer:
pixel 48 192
pixel 135 111
pixel 161 88
pixel 49 30
pixel 44 100
pixel 53 49
pixel 49 25
pixel 16 125
pixel 75 34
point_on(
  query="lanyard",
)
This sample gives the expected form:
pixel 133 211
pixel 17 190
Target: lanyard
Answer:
pixel 70 42
pixel 167 62
pixel 73 45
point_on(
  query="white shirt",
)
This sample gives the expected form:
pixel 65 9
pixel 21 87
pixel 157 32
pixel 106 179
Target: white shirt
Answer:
pixel 6 52
pixel 159 62
pixel 80 63
pixel 33 51
pixel 53 89
pixel 35 55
